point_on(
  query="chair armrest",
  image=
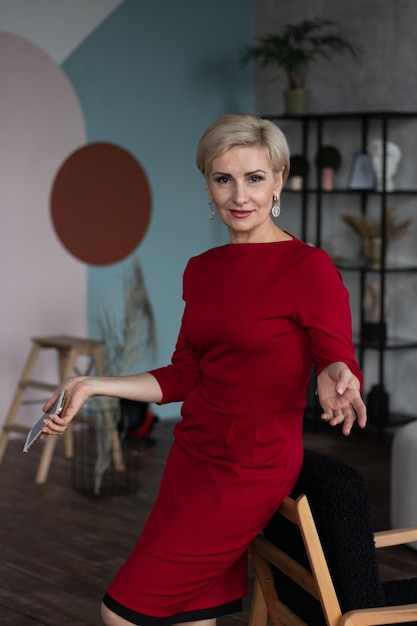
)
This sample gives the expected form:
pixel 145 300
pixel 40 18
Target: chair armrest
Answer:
pixel 398 536
pixel 385 615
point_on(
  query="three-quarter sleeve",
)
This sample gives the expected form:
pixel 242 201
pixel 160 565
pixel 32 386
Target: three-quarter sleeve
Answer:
pixel 321 306
pixel 180 377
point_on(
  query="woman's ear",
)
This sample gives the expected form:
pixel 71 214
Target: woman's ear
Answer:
pixel 279 182
pixel 278 189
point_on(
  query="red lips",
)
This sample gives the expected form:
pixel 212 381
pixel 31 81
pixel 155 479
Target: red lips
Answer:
pixel 240 214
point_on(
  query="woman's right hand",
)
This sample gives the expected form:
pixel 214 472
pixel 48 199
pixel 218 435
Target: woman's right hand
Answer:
pixel 77 392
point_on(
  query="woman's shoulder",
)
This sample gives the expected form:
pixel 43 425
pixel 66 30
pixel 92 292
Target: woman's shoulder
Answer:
pixel 198 263
pixel 302 251
pixel 207 255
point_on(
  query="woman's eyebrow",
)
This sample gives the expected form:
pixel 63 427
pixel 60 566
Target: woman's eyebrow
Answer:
pixel 251 173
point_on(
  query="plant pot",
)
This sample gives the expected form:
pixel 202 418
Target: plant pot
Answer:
pixel 295 183
pixel 104 464
pixel 297 101
pixel 327 178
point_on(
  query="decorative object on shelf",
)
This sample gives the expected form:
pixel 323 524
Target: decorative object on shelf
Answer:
pixel 299 167
pixel 126 342
pixel 378 404
pixel 374 329
pixel 293 50
pixel 361 173
pixel 370 231
pixel 372 252
pixel 392 160
pixel 328 160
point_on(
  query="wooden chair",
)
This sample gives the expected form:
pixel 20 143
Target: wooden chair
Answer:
pixel 316 561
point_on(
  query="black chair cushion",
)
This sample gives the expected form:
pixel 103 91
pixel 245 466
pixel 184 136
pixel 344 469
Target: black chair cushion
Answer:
pixel 339 501
pixel 401 592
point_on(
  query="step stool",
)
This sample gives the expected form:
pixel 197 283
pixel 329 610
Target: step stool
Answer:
pixel 68 350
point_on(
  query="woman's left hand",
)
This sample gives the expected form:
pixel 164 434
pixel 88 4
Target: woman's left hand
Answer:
pixel 340 398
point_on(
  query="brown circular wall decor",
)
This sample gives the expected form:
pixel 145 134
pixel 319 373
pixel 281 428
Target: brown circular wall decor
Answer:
pixel 101 203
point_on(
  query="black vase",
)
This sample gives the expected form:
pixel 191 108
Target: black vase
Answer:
pixel 378 404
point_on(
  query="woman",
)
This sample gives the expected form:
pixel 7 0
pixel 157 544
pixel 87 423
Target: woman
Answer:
pixel 259 313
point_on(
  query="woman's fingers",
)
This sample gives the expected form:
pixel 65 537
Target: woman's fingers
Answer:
pixel 50 403
pixel 54 425
pixel 346 416
pixel 76 395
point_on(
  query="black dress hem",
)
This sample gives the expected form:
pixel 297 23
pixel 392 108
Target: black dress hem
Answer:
pixel 141 619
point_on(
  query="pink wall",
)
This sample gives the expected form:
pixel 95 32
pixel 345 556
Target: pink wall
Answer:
pixel 43 287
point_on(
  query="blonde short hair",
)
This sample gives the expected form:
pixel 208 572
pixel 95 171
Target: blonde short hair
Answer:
pixel 241 129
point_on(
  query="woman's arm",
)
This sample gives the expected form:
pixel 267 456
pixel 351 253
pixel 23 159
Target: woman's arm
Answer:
pixel 322 308
pixel 142 387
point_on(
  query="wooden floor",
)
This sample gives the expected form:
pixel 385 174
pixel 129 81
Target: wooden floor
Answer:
pixel 60 548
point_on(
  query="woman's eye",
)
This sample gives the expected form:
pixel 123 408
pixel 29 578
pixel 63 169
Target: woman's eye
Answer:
pixel 222 180
pixel 255 178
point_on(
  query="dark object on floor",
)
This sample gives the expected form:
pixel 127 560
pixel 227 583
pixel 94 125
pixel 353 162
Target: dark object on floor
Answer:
pixel 336 542
pixel 137 421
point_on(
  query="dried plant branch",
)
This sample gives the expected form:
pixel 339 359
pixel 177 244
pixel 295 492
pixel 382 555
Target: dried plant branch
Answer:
pixel 126 342
pixel 368 227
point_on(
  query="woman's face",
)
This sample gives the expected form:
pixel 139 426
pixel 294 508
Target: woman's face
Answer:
pixel 242 184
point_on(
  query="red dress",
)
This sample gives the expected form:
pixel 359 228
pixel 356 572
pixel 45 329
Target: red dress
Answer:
pixel 257 317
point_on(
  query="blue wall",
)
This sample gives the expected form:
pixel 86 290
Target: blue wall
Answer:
pixel 151 78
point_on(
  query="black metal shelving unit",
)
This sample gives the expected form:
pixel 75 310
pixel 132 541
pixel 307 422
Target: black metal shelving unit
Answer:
pixel 312 127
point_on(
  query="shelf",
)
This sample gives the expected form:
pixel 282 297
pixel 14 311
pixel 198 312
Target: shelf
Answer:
pixel 357 115
pixel 394 420
pixel 358 266
pixel 314 190
pixel 311 131
pixel 391 343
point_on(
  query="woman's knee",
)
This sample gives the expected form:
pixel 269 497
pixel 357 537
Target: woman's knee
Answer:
pixel 112 619
pixel 107 616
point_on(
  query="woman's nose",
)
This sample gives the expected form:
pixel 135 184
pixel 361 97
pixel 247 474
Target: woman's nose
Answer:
pixel 240 195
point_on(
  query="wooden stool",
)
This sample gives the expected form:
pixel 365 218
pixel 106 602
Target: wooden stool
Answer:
pixel 69 349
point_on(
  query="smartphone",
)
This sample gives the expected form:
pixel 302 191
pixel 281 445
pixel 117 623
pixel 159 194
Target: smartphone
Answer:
pixel 36 431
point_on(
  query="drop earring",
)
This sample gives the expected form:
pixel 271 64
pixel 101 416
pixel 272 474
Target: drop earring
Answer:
pixel 211 210
pixel 276 207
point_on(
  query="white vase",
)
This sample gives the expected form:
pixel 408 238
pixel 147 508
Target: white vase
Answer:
pixel 295 183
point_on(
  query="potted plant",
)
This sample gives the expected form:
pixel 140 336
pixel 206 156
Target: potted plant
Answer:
pixel 102 467
pixel 292 52
pixel 328 161
pixel 299 168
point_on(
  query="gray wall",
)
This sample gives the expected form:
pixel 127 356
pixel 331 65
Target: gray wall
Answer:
pixel 385 78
